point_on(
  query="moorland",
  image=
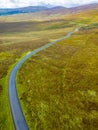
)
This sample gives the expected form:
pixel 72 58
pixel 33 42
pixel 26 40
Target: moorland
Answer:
pixel 58 87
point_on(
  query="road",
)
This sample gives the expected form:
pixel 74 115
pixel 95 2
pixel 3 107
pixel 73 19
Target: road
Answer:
pixel 16 111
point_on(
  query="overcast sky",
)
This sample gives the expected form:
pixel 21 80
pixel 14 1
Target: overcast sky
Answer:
pixel 22 3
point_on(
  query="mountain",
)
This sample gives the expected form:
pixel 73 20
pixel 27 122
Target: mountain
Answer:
pixel 85 7
pixel 40 13
pixel 47 9
pixel 29 9
pixel 63 10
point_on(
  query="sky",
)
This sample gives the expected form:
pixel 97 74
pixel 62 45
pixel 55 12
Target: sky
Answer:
pixel 24 3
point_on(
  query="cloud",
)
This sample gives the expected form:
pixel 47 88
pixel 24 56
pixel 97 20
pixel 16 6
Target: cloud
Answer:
pixel 22 3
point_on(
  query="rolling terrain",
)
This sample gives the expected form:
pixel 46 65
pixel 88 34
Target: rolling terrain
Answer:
pixel 29 9
pixel 56 13
pixel 61 91
pixel 15 43
pixel 55 85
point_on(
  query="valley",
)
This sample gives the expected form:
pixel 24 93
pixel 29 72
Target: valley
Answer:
pixel 58 87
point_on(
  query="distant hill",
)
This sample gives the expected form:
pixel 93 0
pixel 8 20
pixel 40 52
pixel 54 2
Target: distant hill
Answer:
pixel 63 10
pixel 47 10
pixel 30 9
pixel 85 7
pixel 46 13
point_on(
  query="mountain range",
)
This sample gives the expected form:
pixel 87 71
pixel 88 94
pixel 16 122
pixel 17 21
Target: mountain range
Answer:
pixel 47 9
pixel 29 9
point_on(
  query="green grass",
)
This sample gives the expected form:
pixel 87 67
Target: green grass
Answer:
pixel 6 122
pixel 60 90
pixel 91 26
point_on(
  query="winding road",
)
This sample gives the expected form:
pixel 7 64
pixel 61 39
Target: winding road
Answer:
pixel 16 111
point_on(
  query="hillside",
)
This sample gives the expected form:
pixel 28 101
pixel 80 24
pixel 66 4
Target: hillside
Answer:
pixel 63 10
pixel 58 87
pixel 50 14
pixel 61 83
pixel 29 9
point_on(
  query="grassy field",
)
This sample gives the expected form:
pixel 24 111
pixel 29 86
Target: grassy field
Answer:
pixel 16 41
pixel 58 82
pixel 58 87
